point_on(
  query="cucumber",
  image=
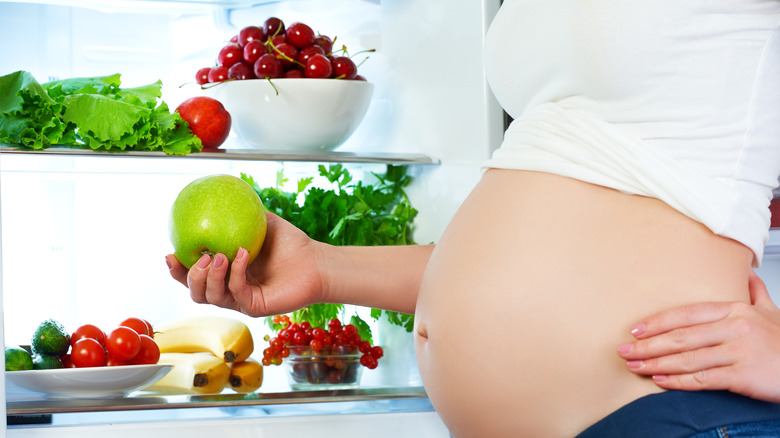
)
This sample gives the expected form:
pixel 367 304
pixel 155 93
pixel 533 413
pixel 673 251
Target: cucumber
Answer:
pixel 50 338
pixel 17 359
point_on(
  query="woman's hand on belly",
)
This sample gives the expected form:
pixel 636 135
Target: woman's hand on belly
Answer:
pixel 731 346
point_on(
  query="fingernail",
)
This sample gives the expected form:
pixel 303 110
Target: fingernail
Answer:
pixel 219 260
pixel 241 253
pixel 659 378
pixel 634 364
pixel 204 261
pixel 168 262
pixel 625 348
pixel 638 329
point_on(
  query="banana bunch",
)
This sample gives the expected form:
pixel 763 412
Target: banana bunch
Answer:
pixel 246 376
pixel 192 373
pixel 226 338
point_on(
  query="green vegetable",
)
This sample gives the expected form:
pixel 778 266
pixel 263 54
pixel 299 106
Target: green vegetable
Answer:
pixel 50 338
pixel 46 362
pixel 17 359
pixel 93 113
pixel 346 214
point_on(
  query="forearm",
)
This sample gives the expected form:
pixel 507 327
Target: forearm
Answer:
pixel 384 277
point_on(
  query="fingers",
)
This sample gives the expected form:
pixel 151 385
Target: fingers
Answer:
pixel 241 292
pixel 206 281
pixel 720 378
pixel 176 269
pixel 675 341
pixel 684 362
pixel 197 279
pixel 759 295
pixel 679 317
pixel 216 289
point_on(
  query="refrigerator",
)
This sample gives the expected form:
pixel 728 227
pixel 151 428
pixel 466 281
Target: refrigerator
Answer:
pixel 84 234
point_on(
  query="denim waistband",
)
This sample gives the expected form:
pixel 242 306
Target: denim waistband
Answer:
pixel 673 414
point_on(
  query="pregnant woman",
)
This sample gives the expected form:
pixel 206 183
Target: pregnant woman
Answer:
pixel 635 178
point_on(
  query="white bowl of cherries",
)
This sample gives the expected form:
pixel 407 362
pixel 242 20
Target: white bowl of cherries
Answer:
pixel 287 89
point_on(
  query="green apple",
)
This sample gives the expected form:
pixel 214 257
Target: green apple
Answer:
pixel 216 214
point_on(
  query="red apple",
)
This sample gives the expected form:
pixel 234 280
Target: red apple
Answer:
pixel 208 119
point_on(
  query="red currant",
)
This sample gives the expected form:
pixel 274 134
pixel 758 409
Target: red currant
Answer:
pixel 376 352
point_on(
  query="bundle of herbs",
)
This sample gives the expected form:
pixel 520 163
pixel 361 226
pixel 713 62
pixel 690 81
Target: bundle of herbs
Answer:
pixel 346 213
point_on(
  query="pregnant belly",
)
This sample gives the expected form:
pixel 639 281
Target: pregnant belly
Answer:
pixel 533 285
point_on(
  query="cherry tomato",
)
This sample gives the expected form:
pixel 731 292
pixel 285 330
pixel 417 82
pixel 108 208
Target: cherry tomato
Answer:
pixel 149 328
pixel 88 352
pixel 114 362
pixel 123 343
pixel 139 325
pixel 149 353
pixel 88 331
pixel 67 362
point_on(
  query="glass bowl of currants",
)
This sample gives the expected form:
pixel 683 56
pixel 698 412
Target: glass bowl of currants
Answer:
pixel 336 367
pixel 288 88
pixel 326 357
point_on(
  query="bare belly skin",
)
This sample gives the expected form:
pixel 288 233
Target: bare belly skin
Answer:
pixel 533 285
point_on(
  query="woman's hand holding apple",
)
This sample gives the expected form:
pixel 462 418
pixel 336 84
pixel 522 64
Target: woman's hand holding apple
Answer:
pixel 284 277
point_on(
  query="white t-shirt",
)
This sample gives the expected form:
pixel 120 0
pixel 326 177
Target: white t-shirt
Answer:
pixel 673 99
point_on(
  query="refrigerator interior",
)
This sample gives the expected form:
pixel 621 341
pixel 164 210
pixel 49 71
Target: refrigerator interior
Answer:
pixel 83 238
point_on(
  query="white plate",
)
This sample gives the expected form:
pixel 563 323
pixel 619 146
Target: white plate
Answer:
pixel 113 381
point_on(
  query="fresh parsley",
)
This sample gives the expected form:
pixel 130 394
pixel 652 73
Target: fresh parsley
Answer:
pixel 346 213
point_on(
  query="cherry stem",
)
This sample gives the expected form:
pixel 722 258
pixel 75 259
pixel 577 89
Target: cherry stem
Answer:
pixel 294 61
pixel 273 85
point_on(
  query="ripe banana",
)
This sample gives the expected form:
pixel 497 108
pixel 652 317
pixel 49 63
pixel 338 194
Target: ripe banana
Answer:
pixel 192 373
pixel 227 338
pixel 246 376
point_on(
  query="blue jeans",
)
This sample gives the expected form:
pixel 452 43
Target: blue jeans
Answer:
pixel 682 414
pixel 764 429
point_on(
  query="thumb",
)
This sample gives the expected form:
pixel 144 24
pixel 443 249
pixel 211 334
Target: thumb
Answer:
pixel 759 295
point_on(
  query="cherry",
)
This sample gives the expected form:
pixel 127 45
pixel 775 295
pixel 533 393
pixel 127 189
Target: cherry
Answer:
pixel 267 66
pixel 241 70
pixel 294 73
pixel 360 78
pixel 287 54
pixel 325 42
pixel 234 39
pixel 318 66
pixel 218 74
pixel 253 50
pixel 230 55
pixel 305 53
pixel 202 76
pixel 300 35
pixel 250 33
pixel 343 68
pixel 273 26
pixel 279 39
